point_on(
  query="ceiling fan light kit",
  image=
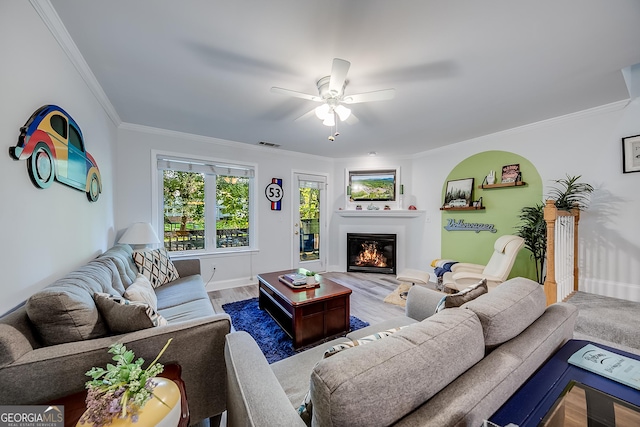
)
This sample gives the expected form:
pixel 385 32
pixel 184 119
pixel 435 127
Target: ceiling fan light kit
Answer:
pixel 331 95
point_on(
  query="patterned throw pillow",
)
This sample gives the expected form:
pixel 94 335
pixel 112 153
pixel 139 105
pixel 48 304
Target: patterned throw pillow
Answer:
pixel 305 409
pixel 156 266
pixel 123 316
pixel 142 291
pixel 464 296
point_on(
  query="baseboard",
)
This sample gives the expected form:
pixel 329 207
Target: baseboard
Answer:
pixel 228 284
pixel 627 291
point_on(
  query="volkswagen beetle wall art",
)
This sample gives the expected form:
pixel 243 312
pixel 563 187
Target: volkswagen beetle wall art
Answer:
pixel 51 142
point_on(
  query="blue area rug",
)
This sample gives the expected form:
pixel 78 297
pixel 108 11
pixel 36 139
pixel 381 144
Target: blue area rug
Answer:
pixel 272 340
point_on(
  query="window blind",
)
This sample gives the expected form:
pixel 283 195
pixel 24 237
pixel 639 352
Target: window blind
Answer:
pixel 199 166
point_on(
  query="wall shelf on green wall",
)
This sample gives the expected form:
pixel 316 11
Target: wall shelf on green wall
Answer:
pixel 502 185
pixel 468 208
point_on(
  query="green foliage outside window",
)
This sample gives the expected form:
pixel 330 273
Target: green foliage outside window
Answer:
pixel 232 194
pixel 184 210
pixel 309 203
pixel 184 198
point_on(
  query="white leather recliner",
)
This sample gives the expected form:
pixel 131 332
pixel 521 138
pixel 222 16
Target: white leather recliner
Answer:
pixel 496 271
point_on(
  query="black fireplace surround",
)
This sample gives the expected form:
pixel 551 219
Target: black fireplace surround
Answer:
pixel 371 253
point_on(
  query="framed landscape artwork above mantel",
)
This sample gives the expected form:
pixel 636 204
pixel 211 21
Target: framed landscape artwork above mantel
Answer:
pixel 378 188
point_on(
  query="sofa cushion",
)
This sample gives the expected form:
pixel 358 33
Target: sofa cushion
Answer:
pixel 508 309
pixel 124 316
pixel 156 266
pixel 306 407
pixel 65 311
pixel 121 255
pixel 142 291
pixel 180 291
pixel 347 386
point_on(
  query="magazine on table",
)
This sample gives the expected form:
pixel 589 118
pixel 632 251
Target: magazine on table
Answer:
pixel 611 365
pixel 296 278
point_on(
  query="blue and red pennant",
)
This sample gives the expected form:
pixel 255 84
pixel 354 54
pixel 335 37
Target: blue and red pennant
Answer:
pixel 274 193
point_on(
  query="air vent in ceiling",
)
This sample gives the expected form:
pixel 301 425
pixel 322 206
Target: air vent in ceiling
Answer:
pixel 269 144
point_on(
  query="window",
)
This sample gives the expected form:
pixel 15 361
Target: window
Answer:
pixel 59 124
pixel 206 206
pixel 75 139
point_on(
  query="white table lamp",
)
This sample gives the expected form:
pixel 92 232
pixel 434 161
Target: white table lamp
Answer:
pixel 139 235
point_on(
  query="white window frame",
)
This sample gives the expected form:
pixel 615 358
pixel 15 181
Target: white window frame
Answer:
pixel 157 202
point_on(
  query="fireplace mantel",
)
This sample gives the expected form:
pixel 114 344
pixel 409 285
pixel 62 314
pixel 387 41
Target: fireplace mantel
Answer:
pixel 379 213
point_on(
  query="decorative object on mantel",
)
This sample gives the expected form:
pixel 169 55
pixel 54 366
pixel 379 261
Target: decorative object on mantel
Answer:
pixel 460 225
pixel 274 193
pixel 44 143
pixel 372 207
pixel 491 178
pixel 123 390
pixel 358 207
pixel 412 208
pixel 631 154
pixel 387 207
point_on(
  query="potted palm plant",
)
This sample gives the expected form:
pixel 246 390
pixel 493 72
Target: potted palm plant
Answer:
pixel 568 194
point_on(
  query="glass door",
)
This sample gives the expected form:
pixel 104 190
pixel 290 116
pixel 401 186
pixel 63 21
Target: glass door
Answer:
pixel 309 228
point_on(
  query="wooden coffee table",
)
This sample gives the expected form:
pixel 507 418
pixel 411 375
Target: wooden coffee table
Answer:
pixel 306 315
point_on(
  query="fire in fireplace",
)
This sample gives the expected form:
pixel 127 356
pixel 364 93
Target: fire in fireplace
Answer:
pixel 371 253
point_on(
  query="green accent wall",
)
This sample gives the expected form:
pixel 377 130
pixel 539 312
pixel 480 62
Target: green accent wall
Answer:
pixel 502 209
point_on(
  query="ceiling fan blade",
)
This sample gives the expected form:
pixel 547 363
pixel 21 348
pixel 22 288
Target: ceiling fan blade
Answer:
pixel 377 95
pixel 306 115
pixel 296 94
pixel 339 72
pixel 352 119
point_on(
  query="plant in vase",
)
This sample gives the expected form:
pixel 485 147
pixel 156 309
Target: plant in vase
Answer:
pixel 311 277
pixel 120 390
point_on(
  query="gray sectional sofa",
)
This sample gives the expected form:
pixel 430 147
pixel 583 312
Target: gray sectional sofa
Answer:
pixel 453 368
pixel 48 344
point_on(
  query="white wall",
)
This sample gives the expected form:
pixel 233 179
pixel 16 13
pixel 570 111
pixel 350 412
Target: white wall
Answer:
pixel 275 230
pixel 586 143
pixel 46 233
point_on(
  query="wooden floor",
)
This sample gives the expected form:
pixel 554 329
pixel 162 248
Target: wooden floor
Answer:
pixel 369 291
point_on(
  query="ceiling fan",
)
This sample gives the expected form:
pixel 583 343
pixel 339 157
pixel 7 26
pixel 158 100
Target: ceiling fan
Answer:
pixel 331 95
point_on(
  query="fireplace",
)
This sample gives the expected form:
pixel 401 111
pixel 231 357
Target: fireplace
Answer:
pixel 371 253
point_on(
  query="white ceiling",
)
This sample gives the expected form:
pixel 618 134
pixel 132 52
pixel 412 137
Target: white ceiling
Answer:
pixel 461 69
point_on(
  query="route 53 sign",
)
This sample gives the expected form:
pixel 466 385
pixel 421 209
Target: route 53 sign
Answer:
pixel 274 193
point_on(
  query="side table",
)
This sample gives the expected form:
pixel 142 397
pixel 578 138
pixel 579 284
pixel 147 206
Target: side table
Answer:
pixel 74 404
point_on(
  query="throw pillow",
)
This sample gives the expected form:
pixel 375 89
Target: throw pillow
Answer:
pixel 156 266
pixel 305 409
pixel 464 296
pixel 122 315
pixel 142 291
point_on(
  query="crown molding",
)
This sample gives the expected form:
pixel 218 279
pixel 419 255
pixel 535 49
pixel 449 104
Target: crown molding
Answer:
pixel 607 108
pixel 51 19
pixel 211 140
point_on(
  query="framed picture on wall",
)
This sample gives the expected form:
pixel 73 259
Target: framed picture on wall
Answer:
pixel 459 193
pixel 631 154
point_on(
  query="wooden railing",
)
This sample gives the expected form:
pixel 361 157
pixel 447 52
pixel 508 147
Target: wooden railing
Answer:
pixel 562 252
pixel 194 239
